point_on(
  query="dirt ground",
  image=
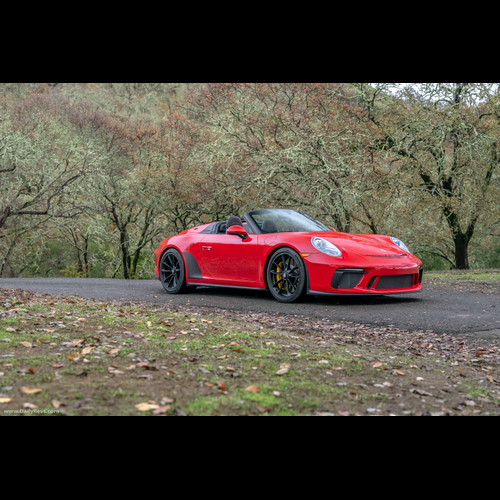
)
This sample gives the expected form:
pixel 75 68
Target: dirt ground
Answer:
pixel 482 281
pixel 69 356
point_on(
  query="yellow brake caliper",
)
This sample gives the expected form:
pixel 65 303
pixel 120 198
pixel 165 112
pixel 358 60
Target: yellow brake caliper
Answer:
pixel 278 276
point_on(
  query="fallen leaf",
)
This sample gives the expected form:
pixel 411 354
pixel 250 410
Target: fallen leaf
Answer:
pixel 378 364
pixel 277 393
pixel 30 406
pixel 161 410
pixel 421 392
pixel 2 374
pixel 31 370
pixel 398 372
pixel 82 320
pixel 253 388
pixel 337 368
pixel 131 367
pixel 142 364
pixel 208 384
pixel 283 371
pixel 78 341
pixel 10 330
pixel 27 390
pixel 58 365
pixel 87 350
pixel 223 357
pixel 114 351
pixel 343 413
pixel 323 362
pixel 167 401
pixel 260 409
pixel 56 404
pixel 230 369
pixel 221 386
pixel 146 407
pixel 29 345
pixel 148 324
pixel 5 400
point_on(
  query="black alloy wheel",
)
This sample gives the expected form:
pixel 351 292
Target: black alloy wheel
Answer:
pixel 172 272
pixel 286 275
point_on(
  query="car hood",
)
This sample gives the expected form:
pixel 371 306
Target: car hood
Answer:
pixel 367 245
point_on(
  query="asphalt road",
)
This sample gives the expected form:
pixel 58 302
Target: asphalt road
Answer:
pixel 442 311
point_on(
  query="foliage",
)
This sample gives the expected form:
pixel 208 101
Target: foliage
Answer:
pixel 94 176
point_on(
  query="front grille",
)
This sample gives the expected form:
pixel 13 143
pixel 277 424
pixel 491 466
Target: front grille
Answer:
pixel 395 281
pixel 346 278
pixel 349 280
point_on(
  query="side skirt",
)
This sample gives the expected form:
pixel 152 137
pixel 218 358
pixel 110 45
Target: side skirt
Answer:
pixel 226 286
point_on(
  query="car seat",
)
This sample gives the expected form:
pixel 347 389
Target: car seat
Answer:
pixel 269 226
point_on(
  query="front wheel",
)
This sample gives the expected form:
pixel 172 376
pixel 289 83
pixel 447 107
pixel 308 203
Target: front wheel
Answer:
pixel 173 272
pixel 286 275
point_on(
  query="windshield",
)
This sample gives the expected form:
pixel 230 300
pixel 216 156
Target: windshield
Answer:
pixel 285 221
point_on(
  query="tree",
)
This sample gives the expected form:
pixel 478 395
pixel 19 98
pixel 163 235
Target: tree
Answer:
pixel 443 138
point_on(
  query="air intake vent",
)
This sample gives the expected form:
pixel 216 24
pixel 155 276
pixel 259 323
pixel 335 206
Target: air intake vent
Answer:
pixel 400 281
pixel 346 278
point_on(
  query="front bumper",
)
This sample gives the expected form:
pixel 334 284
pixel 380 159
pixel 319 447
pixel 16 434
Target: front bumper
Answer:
pixel 363 276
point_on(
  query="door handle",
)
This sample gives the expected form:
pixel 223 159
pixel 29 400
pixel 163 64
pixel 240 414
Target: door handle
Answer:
pixel 206 248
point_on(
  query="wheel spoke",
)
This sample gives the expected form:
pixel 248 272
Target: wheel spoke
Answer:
pixel 278 283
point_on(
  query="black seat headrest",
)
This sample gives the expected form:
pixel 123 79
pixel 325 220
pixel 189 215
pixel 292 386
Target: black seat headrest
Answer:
pixel 234 221
pixel 269 226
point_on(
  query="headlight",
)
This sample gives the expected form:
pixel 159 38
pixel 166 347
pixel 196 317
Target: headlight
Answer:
pixel 399 243
pixel 324 246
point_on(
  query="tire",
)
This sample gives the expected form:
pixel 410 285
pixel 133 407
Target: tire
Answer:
pixel 286 275
pixel 173 272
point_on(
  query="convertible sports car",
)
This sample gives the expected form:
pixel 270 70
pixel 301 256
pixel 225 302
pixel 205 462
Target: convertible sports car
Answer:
pixel 288 253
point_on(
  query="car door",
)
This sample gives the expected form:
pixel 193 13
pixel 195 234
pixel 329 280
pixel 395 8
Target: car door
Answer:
pixel 228 257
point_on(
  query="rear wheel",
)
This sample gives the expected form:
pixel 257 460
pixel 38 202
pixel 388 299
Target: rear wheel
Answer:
pixel 173 272
pixel 286 275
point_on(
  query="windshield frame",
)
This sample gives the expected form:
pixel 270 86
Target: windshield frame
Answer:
pixel 250 220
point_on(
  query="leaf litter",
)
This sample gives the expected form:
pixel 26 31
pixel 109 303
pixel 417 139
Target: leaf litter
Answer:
pixel 326 367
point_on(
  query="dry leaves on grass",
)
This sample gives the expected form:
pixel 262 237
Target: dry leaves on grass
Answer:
pixel 4 401
pixel 253 388
pixel 27 390
pixel 29 345
pixel 283 369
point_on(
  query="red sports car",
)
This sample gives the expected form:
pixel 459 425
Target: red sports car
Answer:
pixel 288 253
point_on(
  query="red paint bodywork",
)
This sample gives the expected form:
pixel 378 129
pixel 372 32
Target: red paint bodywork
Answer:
pixel 231 261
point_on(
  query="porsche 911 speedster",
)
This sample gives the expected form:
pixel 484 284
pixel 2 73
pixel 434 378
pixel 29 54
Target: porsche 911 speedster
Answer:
pixel 288 253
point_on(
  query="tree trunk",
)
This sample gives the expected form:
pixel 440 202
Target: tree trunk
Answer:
pixel 461 251
pixel 125 255
pixel 80 263
pixel 86 257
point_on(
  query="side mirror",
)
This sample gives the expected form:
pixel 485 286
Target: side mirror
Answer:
pixel 237 231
